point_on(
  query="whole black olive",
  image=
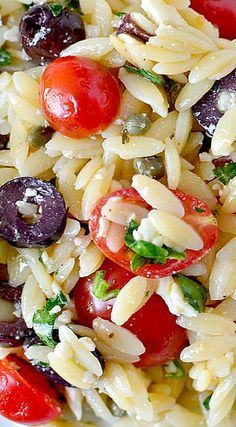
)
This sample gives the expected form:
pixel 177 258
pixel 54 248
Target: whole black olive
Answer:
pixel 32 213
pixel 44 34
pixel 128 26
pixel 211 107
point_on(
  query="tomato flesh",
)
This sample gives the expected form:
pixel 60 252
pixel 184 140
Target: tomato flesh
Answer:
pixel 203 222
pixel 79 97
pixel 221 13
pixel 153 324
pixel 25 395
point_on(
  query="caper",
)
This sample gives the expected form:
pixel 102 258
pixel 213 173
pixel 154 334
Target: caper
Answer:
pixel 152 166
pixel 38 136
pixel 114 408
pixel 137 124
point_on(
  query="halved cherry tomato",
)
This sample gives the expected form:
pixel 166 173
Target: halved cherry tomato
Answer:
pixel 79 96
pixel 153 324
pixel 221 13
pixel 197 214
pixel 25 395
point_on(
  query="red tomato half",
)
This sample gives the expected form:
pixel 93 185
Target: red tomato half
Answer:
pixel 221 13
pixel 153 324
pixel 25 395
pixel 79 96
pixel 203 222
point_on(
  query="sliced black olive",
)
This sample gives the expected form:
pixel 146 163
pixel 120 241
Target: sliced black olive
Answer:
pixel 14 334
pixel 11 293
pixel 4 139
pixel 152 166
pixel 32 213
pixel 221 161
pixel 51 375
pixel 128 26
pixel 216 102
pixel 44 34
pixel 38 136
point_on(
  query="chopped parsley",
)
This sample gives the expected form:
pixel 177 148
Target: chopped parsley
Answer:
pixel 5 57
pixel 75 6
pixel 154 78
pixel 56 8
pixel 225 173
pixel 199 210
pixel 206 402
pixel 101 288
pixel 146 252
pixel 120 14
pixel 44 320
pixel 177 371
pixel 193 292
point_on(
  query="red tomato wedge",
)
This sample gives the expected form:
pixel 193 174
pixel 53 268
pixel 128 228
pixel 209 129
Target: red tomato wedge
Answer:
pixel 153 324
pixel 25 395
pixel 221 13
pixel 79 96
pixel 202 220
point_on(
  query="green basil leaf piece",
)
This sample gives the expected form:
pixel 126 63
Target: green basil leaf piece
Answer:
pixel 225 173
pixel 56 8
pixel 128 238
pixel 101 288
pixel 193 292
pixel 44 320
pixel 178 373
pixel 206 402
pixel 173 254
pixel 149 250
pixel 5 57
pixel 154 78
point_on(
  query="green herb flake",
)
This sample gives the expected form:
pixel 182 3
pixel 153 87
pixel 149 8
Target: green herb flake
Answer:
pixel 44 320
pixel 27 6
pixel 41 364
pixel 154 78
pixel 5 57
pixel 206 402
pixel 120 14
pixel 225 173
pixel 56 8
pixel 173 254
pixel 75 6
pixel 199 210
pixel 178 372
pixel 193 292
pixel 101 287
pixel 137 262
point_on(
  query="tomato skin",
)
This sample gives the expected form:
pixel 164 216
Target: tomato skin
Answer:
pixel 25 395
pixel 79 96
pixel 221 13
pixel 153 324
pixel 91 307
pixel 204 223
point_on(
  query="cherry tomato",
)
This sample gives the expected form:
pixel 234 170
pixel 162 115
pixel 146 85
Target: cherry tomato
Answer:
pixel 25 395
pixel 221 13
pixel 79 96
pixel 197 214
pixel 153 324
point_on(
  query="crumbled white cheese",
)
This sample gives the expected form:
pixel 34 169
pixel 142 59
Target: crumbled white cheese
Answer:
pixel 226 100
pixel 27 209
pixel 170 291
